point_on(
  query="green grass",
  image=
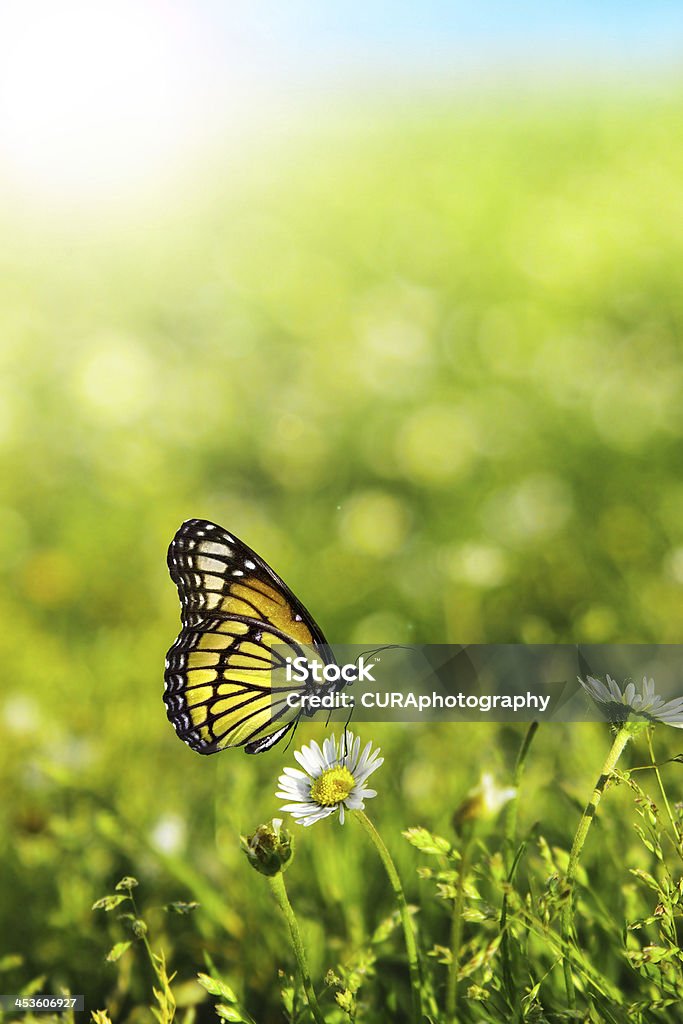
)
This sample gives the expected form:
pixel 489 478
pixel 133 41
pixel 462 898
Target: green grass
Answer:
pixel 428 365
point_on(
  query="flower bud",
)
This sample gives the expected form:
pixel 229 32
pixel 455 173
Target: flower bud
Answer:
pixel 270 849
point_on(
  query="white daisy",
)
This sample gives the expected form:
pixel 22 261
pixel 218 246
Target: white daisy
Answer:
pixel 621 705
pixel 333 778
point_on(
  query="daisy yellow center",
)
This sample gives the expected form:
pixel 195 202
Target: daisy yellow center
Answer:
pixel 333 786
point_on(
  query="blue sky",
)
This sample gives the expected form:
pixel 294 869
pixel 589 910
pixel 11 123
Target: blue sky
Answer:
pixel 394 37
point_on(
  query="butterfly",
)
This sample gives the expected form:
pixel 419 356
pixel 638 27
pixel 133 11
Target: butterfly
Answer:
pixel 225 681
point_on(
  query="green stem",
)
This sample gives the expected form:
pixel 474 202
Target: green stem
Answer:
pixel 456 929
pixel 676 837
pixel 510 836
pixel 165 996
pixel 511 809
pixel 620 741
pixel 143 936
pixel 277 886
pixel 406 920
pixel 674 826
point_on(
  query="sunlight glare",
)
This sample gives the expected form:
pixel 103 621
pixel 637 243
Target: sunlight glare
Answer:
pixel 97 98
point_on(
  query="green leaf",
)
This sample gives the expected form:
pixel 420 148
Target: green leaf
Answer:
pixel 108 902
pixel 178 907
pixel 652 955
pixel 216 987
pixel 651 844
pixel 127 882
pixel 532 995
pixel 10 961
pixel 646 877
pixel 425 841
pixel 99 1017
pixel 385 928
pixel 33 986
pixel 288 1000
pixel 345 1000
pixel 478 993
pixel 117 951
pixel 442 954
pixel 228 1012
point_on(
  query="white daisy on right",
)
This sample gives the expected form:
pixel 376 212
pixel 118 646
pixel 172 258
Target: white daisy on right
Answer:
pixel 629 704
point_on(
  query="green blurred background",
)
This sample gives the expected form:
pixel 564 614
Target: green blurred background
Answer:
pixel 424 357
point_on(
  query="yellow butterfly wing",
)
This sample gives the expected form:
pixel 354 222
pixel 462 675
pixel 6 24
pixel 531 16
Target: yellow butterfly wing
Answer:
pixel 224 678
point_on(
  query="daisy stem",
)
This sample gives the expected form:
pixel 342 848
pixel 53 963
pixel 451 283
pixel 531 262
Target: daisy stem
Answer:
pixel 277 887
pixel 406 920
pixel 620 740
pixel 456 930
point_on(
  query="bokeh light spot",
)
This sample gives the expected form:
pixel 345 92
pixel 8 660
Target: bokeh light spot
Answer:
pixel 673 564
pixel 436 445
pixel 481 565
pixel 597 625
pixel 374 523
pixel 117 381
pixel 539 506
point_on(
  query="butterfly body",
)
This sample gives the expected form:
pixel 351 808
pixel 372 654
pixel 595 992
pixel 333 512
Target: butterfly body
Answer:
pixel 225 682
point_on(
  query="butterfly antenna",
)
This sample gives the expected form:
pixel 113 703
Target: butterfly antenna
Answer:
pixel 346 726
pixel 371 653
pixel 293 733
pixel 384 647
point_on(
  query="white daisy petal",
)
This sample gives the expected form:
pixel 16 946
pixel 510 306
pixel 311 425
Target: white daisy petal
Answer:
pixel 614 689
pixel 645 705
pixel 364 775
pixel 301 756
pixel 299 788
pixel 317 815
pixel 327 751
pixel 286 794
pixel 293 781
pixel 366 755
pixel 354 803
